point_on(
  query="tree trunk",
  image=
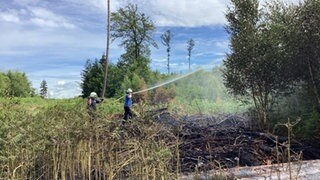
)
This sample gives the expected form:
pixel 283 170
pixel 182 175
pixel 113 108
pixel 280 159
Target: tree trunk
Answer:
pixel 107 49
pixel 313 84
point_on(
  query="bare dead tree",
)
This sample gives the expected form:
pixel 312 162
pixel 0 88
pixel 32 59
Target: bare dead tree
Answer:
pixel 107 49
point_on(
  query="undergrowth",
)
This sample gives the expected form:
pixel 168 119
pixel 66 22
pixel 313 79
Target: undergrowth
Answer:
pixel 57 139
pixel 61 141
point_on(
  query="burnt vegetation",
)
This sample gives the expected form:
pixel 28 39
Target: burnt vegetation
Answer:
pixel 270 114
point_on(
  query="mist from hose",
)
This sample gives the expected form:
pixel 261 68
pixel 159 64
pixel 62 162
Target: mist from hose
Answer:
pixel 168 82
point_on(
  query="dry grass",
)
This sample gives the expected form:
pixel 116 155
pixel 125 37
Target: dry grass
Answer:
pixel 63 143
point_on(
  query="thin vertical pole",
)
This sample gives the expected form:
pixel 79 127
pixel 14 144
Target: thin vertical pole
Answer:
pixel 107 48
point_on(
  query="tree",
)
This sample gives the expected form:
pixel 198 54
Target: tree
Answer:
pixel 135 31
pixel 166 39
pixel 255 65
pixel 107 50
pixel 306 47
pixel 115 79
pixel 190 48
pixel 19 85
pixel 4 85
pixel 93 74
pixel 44 89
pixel 92 77
pixel 135 83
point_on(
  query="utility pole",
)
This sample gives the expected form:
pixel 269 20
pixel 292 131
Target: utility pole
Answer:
pixel 107 49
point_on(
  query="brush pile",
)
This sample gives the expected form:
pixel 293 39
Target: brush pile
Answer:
pixel 226 141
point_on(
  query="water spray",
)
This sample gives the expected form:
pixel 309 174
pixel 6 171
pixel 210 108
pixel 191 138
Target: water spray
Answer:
pixel 168 82
pixel 162 84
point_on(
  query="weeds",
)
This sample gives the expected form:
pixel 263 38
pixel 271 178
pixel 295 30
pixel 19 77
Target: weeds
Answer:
pixel 289 126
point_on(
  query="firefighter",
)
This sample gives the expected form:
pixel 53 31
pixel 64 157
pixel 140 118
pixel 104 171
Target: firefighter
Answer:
pixel 127 105
pixel 92 102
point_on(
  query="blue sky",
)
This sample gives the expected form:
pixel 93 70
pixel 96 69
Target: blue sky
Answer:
pixel 52 39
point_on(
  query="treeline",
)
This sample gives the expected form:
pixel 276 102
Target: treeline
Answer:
pixel 134 31
pixel 119 78
pixel 275 59
pixel 15 84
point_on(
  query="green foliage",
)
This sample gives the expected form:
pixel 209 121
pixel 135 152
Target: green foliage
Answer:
pixel 115 78
pixel 190 46
pixel 15 84
pixel 165 40
pixel 135 83
pixel 258 64
pixel 43 89
pixel 305 46
pixel 135 32
pixel 299 34
pixel 92 78
pixel 242 21
pixel 127 83
pixel 298 105
pixel 4 85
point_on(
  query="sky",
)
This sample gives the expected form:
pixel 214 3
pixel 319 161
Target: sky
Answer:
pixel 52 39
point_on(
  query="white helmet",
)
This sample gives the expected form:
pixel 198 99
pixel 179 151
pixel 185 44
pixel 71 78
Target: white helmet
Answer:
pixel 93 94
pixel 129 90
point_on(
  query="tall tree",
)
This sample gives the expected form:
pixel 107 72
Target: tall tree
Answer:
pixel 166 39
pixel 92 77
pixel 107 50
pixel 307 46
pixel 254 67
pixel 190 46
pixel 135 31
pixel 44 89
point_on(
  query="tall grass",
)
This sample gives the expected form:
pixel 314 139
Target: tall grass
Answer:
pixel 60 141
pixel 57 139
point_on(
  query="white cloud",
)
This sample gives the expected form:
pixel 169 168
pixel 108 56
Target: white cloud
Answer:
pixel 45 18
pixel 222 44
pixel 185 13
pixel 99 5
pixel 52 24
pixel 9 17
pixel 159 60
pixel 62 82
pixel 199 54
pixel 67 90
pixel 220 53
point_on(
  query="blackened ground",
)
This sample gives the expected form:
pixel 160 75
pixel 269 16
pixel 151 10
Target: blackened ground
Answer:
pixel 226 141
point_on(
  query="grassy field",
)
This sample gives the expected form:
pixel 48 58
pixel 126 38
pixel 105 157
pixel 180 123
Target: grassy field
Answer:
pixel 56 139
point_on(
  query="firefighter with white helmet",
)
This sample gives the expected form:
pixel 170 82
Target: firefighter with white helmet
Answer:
pixel 127 105
pixel 92 102
pixel 93 94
